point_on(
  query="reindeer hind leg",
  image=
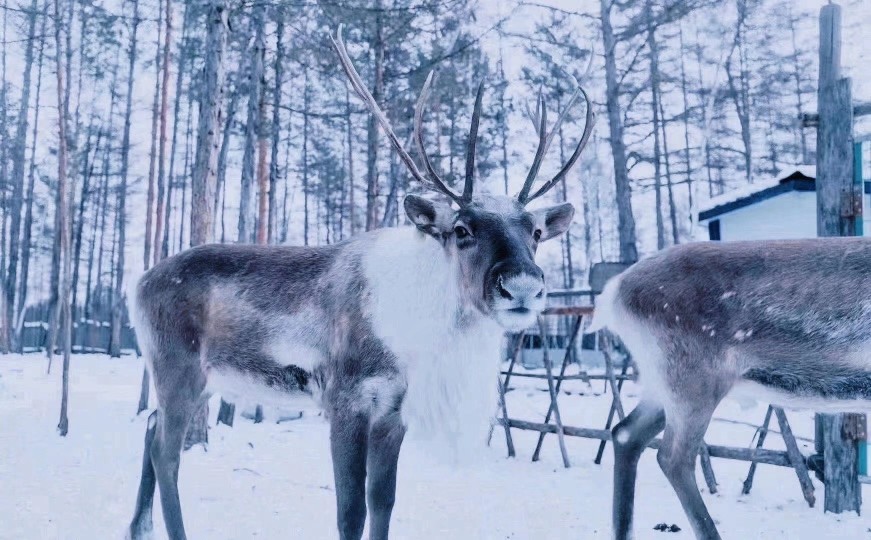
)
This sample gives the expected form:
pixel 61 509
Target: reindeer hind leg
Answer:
pixel 142 525
pixel 630 437
pixel 686 423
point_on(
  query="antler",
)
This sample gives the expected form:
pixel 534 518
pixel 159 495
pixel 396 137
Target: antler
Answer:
pixel 472 144
pixel 539 119
pixel 431 179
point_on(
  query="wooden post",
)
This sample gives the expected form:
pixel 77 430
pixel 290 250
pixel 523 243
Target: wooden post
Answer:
pixel 839 208
pixel 548 367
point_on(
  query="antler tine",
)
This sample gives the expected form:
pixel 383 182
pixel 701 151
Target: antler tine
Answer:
pixel 541 116
pixel 534 117
pixel 589 123
pixel 473 142
pixel 364 95
pixel 435 182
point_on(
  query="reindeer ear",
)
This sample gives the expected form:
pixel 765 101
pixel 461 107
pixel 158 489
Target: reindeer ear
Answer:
pixel 429 217
pixel 555 220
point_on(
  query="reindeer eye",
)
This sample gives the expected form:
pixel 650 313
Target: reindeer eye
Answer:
pixel 536 235
pixel 461 231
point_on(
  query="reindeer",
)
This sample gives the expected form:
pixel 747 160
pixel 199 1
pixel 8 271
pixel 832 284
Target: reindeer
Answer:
pixel 391 330
pixel 784 322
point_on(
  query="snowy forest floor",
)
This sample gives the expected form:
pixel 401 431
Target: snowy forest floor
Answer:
pixel 275 480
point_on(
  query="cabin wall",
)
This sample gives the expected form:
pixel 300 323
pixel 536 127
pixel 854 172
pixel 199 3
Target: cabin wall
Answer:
pixel 790 215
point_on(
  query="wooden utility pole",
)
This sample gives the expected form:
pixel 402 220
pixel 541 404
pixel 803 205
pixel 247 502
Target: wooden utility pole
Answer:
pixel 839 213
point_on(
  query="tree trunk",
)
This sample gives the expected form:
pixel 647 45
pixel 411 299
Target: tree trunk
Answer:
pixel 349 133
pixel 149 200
pixel 372 128
pixel 739 89
pixel 211 119
pixel 19 153
pixel 104 210
pixel 305 124
pixel 654 101
pixel 700 61
pixel 252 128
pixel 222 161
pixel 89 339
pixel 31 181
pixel 263 191
pixel 205 174
pixel 152 156
pixel 63 212
pixel 79 224
pixel 4 168
pixel 799 104
pixel 161 152
pixel 625 217
pixel 186 167
pixel 285 216
pixel 686 132
pixel 176 115
pixel 115 346
pixel 276 126
pixel 503 116
pixel 568 269
pixel 672 205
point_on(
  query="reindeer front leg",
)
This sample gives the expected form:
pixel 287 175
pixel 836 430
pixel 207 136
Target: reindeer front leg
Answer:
pixel 349 435
pixel 385 439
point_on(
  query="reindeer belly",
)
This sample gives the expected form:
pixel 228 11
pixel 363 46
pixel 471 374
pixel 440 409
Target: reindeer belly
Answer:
pixel 843 389
pixel 278 373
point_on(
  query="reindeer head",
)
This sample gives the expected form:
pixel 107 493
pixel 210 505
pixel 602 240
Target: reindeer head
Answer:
pixel 492 238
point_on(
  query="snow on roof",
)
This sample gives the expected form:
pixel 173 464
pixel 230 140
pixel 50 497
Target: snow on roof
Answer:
pixel 748 190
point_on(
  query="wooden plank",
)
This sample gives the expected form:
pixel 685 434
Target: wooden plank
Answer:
pixel 576 328
pixel 503 388
pixel 509 440
pixel 707 468
pixel 583 376
pixel 568 310
pixel 607 348
pixel 763 432
pixel 812 120
pixel 795 457
pixel 622 377
pixel 579 377
pixel 760 455
pixel 553 395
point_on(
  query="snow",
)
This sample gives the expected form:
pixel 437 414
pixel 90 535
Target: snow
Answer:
pixel 737 194
pixel 275 480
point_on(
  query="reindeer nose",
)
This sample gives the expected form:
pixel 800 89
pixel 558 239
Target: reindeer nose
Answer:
pixel 520 287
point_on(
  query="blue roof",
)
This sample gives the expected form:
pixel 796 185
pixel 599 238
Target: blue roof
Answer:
pixel 794 182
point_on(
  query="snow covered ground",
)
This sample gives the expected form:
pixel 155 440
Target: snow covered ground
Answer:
pixel 275 480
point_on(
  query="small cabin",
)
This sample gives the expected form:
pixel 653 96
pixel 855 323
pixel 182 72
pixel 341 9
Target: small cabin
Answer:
pixel 779 209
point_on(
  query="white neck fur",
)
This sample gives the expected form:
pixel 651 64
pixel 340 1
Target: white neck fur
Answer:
pixel 448 351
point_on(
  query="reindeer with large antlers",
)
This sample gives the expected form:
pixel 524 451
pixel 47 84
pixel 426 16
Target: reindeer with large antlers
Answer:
pixel 391 330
